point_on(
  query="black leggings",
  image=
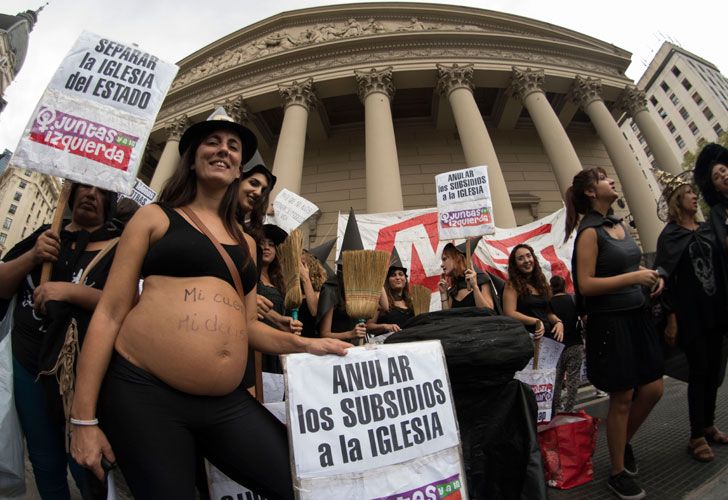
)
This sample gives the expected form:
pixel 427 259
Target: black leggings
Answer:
pixel 157 431
pixel 704 357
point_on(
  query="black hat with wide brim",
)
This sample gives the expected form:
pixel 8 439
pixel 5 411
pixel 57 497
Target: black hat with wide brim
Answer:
pixel 710 155
pixel 219 119
pixel 274 233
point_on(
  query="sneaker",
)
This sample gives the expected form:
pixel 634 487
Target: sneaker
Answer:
pixel 625 487
pixel 630 464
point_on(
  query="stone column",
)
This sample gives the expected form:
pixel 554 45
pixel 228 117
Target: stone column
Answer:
pixel 634 103
pixel 384 185
pixel 170 154
pixel 298 99
pixel 527 86
pixel 456 83
pixel 587 93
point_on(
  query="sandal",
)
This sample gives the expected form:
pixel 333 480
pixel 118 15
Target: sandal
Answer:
pixel 713 435
pixel 700 450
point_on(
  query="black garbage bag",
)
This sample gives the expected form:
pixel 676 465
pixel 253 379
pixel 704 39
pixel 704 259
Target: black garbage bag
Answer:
pixel 480 350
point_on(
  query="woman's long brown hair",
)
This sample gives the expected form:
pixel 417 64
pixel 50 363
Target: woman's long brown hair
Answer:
pixel 181 189
pixel 576 201
pixel 520 281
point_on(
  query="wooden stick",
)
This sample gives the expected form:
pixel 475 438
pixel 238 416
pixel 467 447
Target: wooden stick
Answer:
pixel 47 268
pixel 536 352
pixel 258 360
pixel 468 263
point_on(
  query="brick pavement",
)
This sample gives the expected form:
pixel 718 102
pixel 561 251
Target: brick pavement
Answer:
pixel 666 470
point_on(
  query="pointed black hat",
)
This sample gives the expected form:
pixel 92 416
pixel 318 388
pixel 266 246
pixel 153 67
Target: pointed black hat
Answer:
pixel 352 238
pixel 395 263
pixel 322 251
pixel 461 247
pixel 710 155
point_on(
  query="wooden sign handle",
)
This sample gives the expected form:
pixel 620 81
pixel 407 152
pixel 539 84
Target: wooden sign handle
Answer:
pixel 468 263
pixel 45 273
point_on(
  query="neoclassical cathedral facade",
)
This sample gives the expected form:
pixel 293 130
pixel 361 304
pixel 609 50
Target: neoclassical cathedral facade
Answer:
pixel 361 105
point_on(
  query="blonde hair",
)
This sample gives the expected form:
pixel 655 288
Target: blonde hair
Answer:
pixel 674 204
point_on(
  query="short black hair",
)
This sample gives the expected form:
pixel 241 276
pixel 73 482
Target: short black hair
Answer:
pixel 558 284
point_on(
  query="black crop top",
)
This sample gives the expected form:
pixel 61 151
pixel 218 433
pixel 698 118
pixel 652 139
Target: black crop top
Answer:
pixel 185 252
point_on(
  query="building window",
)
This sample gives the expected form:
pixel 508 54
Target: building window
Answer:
pixel 708 113
pixel 641 138
pixel 680 142
pixel 718 129
pixel 3 237
pixel 664 86
pixel 696 97
pixel 17 196
pixel 12 209
pixel 23 184
pixel 671 127
pixel 28 172
pixel 674 99
pixel 648 151
pixel 8 222
pixel 653 100
pixel 675 71
pixel 686 83
pixel 693 128
pixel 684 113
pixel 662 113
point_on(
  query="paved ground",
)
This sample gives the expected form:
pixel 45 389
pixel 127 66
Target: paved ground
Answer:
pixel 666 470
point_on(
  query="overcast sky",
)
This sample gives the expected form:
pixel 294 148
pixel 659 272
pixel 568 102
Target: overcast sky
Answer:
pixel 172 29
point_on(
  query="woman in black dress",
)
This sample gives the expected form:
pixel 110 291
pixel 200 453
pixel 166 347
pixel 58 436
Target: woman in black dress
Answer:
pixel 527 294
pixel 463 287
pixel 399 308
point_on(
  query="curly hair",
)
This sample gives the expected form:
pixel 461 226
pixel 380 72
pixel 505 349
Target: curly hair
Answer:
pixel 535 279
pixel 316 271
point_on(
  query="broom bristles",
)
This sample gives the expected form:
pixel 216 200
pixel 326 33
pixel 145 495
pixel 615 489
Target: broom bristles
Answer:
pixel 421 297
pixel 364 274
pixel 289 257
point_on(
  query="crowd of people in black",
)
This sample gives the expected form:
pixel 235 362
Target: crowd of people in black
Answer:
pixel 168 305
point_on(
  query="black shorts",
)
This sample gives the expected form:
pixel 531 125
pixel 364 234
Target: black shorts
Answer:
pixel 622 350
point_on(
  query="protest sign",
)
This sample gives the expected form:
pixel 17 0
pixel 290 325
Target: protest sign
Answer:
pixel 93 120
pixel 291 210
pixel 542 384
pixel 463 203
pixel 380 424
pixel 549 354
pixel 415 234
pixel 141 193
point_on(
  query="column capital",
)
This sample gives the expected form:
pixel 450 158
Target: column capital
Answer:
pixel 369 82
pixel 632 100
pixel 176 128
pixel 586 90
pixel 236 109
pixel 454 77
pixel 525 82
pixel 298 93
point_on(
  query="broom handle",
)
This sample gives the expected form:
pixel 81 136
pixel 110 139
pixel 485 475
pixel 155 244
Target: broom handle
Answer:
pixel 536 352
pixel 361 341
pixel 45 273
pixel 467 260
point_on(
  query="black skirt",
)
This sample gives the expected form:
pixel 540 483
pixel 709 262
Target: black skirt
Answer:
pixel 622 350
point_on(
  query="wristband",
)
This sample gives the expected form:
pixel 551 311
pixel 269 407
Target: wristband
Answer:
pixel 92 422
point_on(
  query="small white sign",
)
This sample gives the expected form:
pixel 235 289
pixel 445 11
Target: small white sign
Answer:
pixel 141 193
pixel 92 123
pixel 291 210
pixel 463 203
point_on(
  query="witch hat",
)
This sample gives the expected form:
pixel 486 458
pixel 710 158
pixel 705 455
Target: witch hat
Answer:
pixel 256 164
pixel 322 251
pixel 709 156
pixel 395 263
pixel 352 238
pixel 474 241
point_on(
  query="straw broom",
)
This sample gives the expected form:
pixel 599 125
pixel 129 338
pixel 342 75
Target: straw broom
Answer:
pixel 421 296
pixel 364 274
pixel 289 257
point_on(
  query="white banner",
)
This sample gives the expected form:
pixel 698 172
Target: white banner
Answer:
pixel 463 203
pixel 291 210
pixel 378 416
pixel 542 385
pixel 92 123
pixel 415 233
pixel 141 193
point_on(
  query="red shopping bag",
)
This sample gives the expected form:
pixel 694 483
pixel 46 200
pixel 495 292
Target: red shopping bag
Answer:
pixel 567 445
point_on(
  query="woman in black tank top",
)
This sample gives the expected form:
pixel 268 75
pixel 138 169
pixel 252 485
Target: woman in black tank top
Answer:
pixel 456 278
pixel 622 350
pixel 526 295
pixel 172 388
